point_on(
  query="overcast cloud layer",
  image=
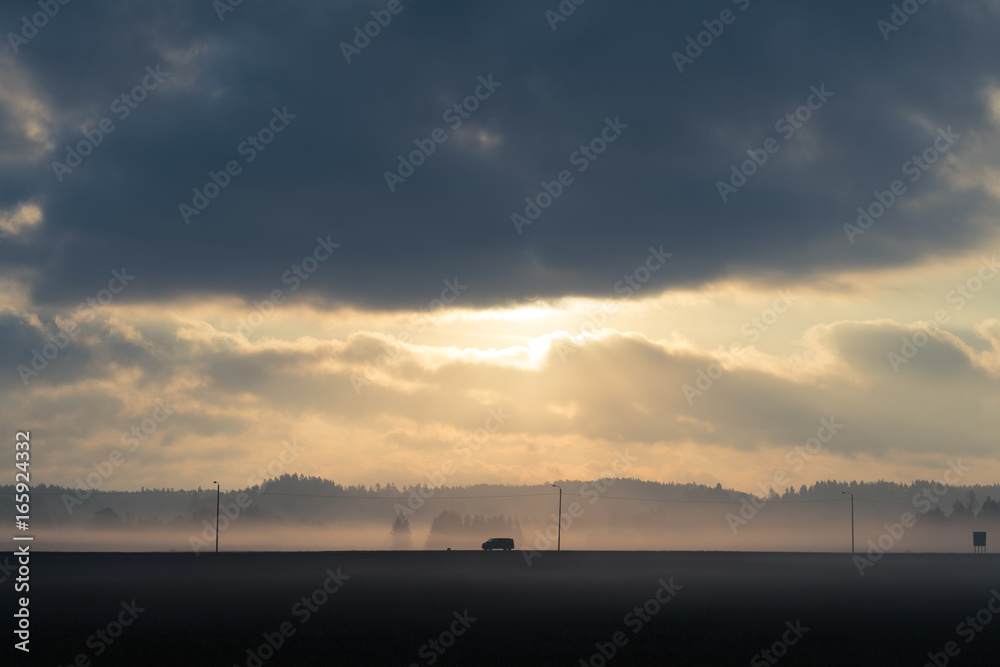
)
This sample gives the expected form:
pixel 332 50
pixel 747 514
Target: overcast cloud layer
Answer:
pixel 324 173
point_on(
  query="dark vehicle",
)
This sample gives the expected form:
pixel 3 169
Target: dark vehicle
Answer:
pixel 504 543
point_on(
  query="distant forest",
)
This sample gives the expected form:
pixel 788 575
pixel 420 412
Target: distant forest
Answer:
pixel 628 511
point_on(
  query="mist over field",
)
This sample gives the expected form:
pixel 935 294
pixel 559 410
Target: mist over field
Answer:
pixel 294 513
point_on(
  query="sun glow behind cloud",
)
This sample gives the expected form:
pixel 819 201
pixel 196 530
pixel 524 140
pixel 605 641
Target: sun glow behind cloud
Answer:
pixel 579 383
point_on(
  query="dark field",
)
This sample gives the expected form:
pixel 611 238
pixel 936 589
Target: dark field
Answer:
pixel 209 610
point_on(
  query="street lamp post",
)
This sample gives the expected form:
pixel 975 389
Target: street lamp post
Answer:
pixel 559 538
pixel 852 518
pixel 217 492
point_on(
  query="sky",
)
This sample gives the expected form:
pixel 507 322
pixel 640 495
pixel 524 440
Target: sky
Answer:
pixel 728 243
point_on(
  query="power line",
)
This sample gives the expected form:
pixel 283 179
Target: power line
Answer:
pixel 319 495
pixel 883 502
pixel 779 501
pixel 95 491
pixel 278 493
pixel 710 502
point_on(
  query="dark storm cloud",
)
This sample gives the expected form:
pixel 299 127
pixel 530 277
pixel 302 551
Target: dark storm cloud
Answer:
pixel 323 174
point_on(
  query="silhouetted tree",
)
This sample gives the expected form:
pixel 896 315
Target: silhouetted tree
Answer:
pixel 990 510
pixel 445 527
pixel 935 513
pixel 960 513
pixel 107 518
pixel 514 527
pixel 401 533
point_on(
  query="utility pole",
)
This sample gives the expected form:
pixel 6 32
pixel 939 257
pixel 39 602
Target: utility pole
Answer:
pixel 559 538
pixel 217 492
pixel 852 518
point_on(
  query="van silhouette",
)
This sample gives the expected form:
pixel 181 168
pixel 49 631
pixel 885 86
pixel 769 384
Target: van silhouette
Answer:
pixel 504 543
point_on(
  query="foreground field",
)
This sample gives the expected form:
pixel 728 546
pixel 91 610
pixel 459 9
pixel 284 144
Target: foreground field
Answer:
pixel 477 608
